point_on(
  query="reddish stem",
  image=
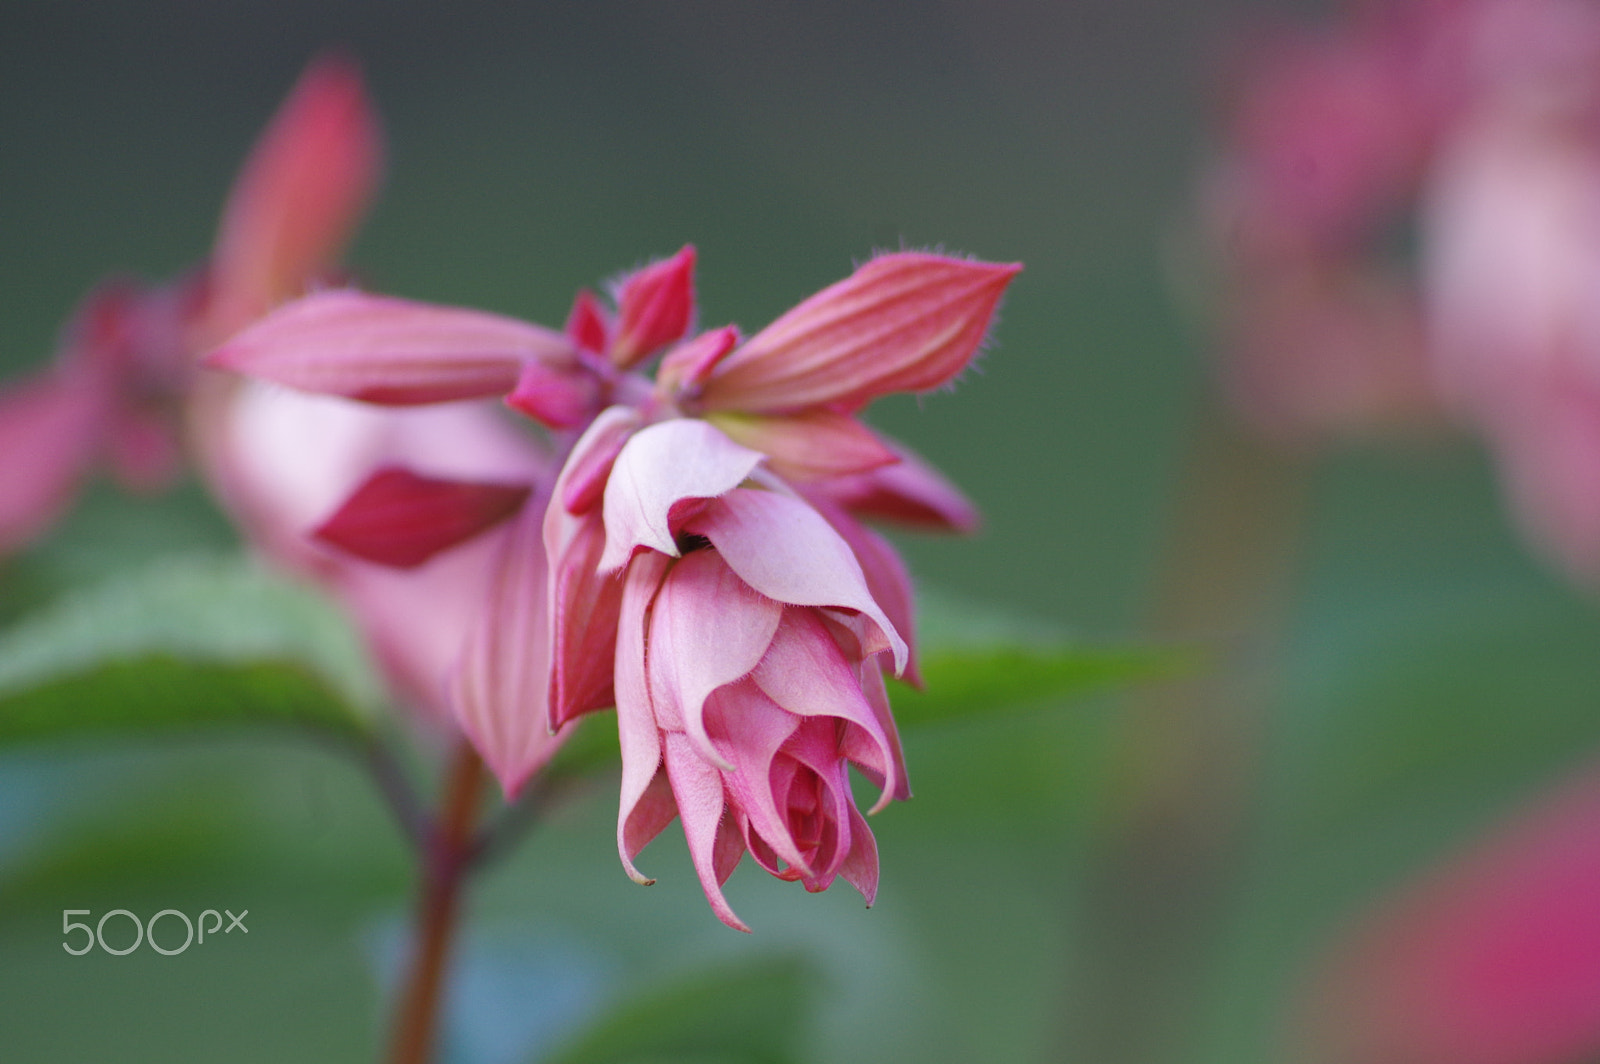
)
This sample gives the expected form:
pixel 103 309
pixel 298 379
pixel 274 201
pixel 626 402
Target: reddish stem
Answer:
pixel 446 858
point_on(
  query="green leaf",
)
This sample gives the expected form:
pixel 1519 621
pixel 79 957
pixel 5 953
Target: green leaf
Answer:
pixel 751 1012
pixel 183 643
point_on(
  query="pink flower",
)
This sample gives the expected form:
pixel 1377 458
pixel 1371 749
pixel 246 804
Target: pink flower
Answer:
pixel 709 516
pixel 1491 958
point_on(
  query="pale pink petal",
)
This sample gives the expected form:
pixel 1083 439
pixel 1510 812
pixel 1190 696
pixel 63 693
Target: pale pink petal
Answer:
pixel 637 731
pixel 748 728
pixel 805 672
pixel 903 322
pixel 389 351
pixel 654 308
pixel 811 445
pixel 306 184
pixel 400 519
pixel 659 467
pixel 787 551
pixel 708 629
pixel 698 789
pixel 909 491
pixel 49 436
pixel 643 820
pixel 499 695
pixel 1494 958
pixel 587 323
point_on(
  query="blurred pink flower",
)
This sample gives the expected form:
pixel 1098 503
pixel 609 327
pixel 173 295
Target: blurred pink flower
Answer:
pixel 125 373
pixel 1492 958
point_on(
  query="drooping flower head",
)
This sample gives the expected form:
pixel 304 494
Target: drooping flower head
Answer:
pixel 703 565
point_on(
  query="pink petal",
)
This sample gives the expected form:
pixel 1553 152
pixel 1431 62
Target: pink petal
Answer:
pixel 877 696
pixel 389 351
pixel 909 491
pixel 810 445
pixel 902 322
pixel 643 820
pixel 860 865
pixel 787 551
pixel 587 324
pixel 637 731
pixel 805 672
pixel 583 601
pixel 698 789
pixel 400 519
pixel 499 692
pixel 1494 958
pixel 748 729
pixel 708 629
pixel 659 467
pixel 886 575
pixel 654 308
pixel 49 436
pixel 687 366
pixel 306 184
pixel 557 396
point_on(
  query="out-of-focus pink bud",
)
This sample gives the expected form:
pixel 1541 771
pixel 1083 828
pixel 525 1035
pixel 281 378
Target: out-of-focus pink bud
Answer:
pixel 903 322
pixel 1494 958
pixel 557 396
pixel 389 351
pixel 655 307
pixel 587 324
pixel 49 435
pixel 400 519
pixel 299 196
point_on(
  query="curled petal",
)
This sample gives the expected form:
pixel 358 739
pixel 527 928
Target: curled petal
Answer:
pixel 639 817
pixel 902 322
pixel 810 445
pixel 787 551
pixel 498 697
pixel 909 492
pixel 806 673
pixel 654 308
pixel 886 575
pixel 707 630
pixel 400 519
pixel 389 351
pixel 860 865
pixel 749 728
pixel 698 788
pixel 659 467
pixel 306 184
pixel 583 478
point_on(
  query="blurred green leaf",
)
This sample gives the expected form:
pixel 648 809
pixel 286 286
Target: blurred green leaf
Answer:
pixel 181 643
pixel 750 1013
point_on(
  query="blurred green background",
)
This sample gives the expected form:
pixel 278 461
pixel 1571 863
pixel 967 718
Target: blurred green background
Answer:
pixel 1417 672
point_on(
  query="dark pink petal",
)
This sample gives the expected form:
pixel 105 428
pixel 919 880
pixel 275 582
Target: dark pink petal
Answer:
pixel 400 519
pixel 389 351
pixel 1493 958
pixel 661 466
pixel 903 322
pixel 306 184
pixel 498 697
pixel 811 445
pixel 787 551
pixel 583 479
pixel 697 786
pixel 708 629
pixel 587 324
pixel 688 365
pixel 639 817
pixel 49 437
pixel 820 800
pixel 860 866
pixel 909 492
pixel 654 308
pixel 557 396
pixel 877 695
pixel 805 672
